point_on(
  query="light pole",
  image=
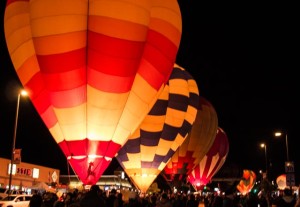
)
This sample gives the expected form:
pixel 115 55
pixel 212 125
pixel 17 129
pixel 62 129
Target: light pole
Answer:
pixel 289 165
pixel 263 145
pixel 23 93
pixel 278 134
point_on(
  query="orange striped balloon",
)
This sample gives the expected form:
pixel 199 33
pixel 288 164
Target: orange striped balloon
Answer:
pixel 93 69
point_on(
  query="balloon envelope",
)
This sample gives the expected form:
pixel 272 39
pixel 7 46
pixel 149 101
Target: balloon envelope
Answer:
pixel 163 130
pixel 211 162
pixel 247 182
pixel 196 145
pixel 281 181
pixel 93 71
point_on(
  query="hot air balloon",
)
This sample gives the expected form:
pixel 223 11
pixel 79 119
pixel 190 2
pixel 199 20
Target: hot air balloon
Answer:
pixel 93 69
pixel 211 162
pixel 247 182
pixel 163 130
pixel 281 182
pixel 196 145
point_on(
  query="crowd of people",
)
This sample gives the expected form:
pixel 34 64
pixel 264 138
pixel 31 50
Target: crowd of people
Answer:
pixel 96 197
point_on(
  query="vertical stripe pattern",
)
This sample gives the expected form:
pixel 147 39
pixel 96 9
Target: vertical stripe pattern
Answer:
pixel 211 163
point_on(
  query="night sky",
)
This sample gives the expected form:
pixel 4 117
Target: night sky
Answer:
pixel 243 58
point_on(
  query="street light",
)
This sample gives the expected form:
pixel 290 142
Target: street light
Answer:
pixel 279 134
pixel 21 93
pixel 289 165
pixel 263 145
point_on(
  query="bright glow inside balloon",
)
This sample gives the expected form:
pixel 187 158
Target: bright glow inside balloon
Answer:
pixel 92 70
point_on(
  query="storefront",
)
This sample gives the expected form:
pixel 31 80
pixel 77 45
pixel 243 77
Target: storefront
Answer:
pixel 106 182
pixel 25 175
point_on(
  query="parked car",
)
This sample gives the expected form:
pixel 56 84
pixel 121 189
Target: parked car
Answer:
pixel 4 192
pixel 20 200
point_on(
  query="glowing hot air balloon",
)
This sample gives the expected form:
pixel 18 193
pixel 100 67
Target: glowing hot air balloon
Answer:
pixel 281 182
pixel 211 162
pixel 163 130
pixel 247 182
pixel 196 145
pixel 93 68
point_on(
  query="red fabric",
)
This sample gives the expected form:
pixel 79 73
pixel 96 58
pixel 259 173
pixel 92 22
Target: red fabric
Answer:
pixel 12 1
pixel 62 62
pixel 89 173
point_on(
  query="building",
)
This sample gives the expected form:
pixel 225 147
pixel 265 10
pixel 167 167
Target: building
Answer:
pixel 26 175
pixel 106 182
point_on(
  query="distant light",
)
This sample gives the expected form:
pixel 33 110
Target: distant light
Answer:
pixel 278 134
pixel 122 175
pixel 36 173
pixel 288 164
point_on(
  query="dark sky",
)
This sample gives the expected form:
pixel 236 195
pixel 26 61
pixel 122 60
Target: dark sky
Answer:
pixel 244 58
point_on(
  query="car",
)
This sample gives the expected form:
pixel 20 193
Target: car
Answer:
pixel 20 200
pixel 4 192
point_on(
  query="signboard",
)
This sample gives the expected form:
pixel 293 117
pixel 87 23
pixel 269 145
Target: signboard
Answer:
pixel 290 179
pixel 13 170
pixel 54 176
pixel 35 173
pixel 17 156
pixel 290 175
pixel 23 171
pixel 289 167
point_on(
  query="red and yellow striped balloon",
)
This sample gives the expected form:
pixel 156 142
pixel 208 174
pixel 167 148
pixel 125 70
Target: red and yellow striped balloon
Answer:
pixel 211 163
pixel 93 68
